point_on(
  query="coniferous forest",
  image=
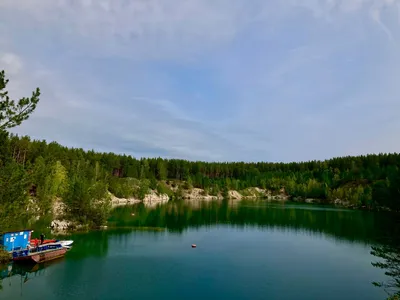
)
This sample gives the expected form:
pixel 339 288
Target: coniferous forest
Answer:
pixel 41 172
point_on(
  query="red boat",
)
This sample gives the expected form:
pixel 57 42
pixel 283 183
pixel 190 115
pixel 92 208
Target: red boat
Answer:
pixel 36 242
pixel 65 243
pixel 42 253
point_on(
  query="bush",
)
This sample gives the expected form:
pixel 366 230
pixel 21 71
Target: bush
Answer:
pixel 178 194
pixel 143 189
pixel 122 187
pixel 162 188
pixel 5 257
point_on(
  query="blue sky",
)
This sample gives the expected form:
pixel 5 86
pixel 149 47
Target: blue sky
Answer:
pixel 225 80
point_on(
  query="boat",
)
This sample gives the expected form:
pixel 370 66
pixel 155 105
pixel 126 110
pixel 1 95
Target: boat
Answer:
pixel 25 249
pixel 33 242
pixel 40 253
pixel 66 243
pixel 15 240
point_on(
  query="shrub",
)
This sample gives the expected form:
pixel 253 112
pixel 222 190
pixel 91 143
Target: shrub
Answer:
pixel 4 255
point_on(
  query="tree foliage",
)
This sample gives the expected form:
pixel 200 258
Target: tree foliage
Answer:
pixel 12 112
pixel 390 262
pixel 5 257
pixel 57 171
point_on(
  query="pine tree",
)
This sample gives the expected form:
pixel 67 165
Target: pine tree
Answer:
pixel 12 113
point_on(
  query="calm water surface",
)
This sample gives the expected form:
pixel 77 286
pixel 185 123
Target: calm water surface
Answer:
pixel 247 250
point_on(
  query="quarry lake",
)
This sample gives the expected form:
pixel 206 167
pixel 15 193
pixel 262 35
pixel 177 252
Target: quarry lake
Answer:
pixel 245 250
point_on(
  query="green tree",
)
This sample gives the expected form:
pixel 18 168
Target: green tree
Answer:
pixel 55 185
pixel 4 148
pixel 12 113
pixel 14 184
pixel 143 188
pixel 86 198
pixel 161 171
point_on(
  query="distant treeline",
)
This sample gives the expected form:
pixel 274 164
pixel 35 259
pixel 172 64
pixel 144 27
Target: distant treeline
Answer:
pixel 49 170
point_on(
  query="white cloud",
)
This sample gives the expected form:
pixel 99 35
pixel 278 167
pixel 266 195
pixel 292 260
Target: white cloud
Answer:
pixel 321 8
pixel 148 26
pixel 13 66
pixel 165 29
pixel 11 62
pixel 375 11
pixel 95 118
pixel 282 104
pixel 398 13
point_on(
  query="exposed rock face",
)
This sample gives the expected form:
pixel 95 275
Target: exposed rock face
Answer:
pixel 199 194
pixel 248 194
pixel 60 225
pixel 256 193
pixel 115 202
pixel 34 209
pixel 59 208
pixel 341 202
pixel 153 199
pixel 280 197
pixel 234 195
pixel 311 200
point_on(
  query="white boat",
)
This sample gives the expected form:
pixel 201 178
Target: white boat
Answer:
pixel 66 244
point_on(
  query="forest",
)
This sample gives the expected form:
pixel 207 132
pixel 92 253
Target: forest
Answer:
pixel 34 171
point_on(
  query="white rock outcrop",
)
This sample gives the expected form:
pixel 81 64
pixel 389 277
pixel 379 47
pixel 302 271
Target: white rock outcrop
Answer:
pixel 115 201
pixel 153 199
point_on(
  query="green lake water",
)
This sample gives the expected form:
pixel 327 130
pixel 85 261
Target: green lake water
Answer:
pixel 245 250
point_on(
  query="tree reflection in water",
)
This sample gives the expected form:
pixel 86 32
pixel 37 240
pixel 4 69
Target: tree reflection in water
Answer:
pixel 25 272
pixel 389 260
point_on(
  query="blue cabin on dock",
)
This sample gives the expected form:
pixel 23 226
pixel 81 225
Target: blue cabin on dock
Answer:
pixel 15 240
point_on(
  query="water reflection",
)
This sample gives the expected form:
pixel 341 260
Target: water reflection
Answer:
pixel 25 272
pixel 176 217
pixel 388 259
pixel 105 261
pixel 380 229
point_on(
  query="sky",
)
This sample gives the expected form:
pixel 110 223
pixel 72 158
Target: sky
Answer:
pixel 211 80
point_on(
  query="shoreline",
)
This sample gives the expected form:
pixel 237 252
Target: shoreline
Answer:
pixel 68 227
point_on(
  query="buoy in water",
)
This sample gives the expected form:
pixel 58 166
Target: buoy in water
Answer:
pixel 193 245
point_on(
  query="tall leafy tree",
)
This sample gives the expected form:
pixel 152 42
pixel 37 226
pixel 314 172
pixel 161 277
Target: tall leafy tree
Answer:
pixel 14 184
